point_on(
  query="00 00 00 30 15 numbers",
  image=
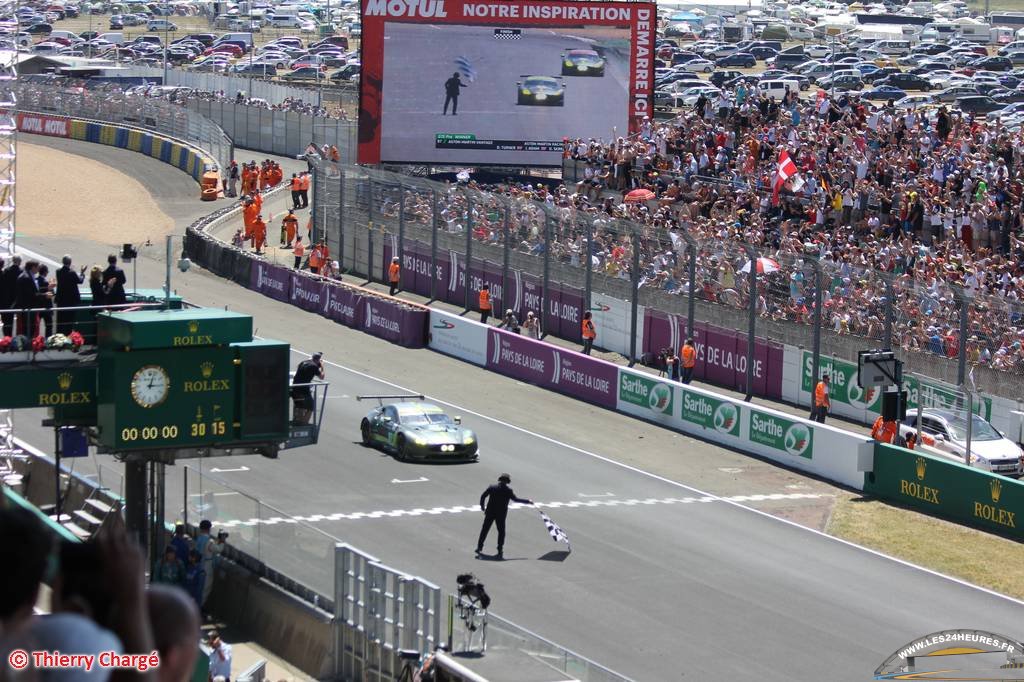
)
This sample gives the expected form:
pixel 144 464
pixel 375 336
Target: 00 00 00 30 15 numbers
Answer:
pixel 149 433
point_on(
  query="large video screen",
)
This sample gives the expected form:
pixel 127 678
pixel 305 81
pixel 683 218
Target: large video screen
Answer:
pixel 451 82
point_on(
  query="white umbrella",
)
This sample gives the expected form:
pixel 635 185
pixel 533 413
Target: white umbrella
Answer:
pixel 764 266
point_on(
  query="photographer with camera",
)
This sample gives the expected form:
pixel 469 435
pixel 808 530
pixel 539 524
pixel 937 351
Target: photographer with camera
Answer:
pixel 494 504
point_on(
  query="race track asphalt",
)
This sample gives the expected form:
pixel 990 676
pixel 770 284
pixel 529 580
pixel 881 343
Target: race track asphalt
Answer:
pixel 664 582
pixel 414 93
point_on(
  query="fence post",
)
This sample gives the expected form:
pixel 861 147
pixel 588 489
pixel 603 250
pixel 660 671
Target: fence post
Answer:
pixel 547 273
pixel 691 304
pixel 317 198
pixel 341 218
pixel 588 286
pixel 469 247
pixel 634 277
pixel 819 280
pixel 961 361
pixel 751 321
pixel 369 229
pixel 401 224
pixel 433 246
pixel 505 252
pixel 890 312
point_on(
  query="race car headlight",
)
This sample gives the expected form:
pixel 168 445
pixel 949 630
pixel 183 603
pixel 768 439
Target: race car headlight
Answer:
pixel 525 91
pixel 419 441
pixel 568 63
pixel 468 438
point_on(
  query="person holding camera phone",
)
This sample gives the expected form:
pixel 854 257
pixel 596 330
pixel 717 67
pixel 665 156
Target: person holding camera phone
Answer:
pixel 494 504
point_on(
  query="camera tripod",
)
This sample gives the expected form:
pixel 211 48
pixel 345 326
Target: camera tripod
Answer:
pixel 474 618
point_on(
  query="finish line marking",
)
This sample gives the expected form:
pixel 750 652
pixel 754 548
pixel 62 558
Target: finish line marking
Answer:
pixel 437 511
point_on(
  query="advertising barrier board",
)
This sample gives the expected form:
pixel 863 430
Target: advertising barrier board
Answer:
pixel 948 489
pixel 547 366
pixel 456 336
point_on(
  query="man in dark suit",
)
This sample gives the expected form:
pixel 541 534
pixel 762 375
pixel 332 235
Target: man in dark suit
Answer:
pixel 46 294
pixel 28 296
pixel 494 504
pixel 114 280
pixel 8 292
pixel 67 295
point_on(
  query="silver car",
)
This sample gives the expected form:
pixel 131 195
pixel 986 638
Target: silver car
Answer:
pixel 944 433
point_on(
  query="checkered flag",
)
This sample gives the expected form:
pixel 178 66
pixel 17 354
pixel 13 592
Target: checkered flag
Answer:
pixel 466 68
pixel 554 530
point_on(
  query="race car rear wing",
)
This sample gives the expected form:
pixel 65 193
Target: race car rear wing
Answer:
pixel 381 398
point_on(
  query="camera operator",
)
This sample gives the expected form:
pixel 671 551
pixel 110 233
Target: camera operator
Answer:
pixel 494 504
pixel 302 394
pixel 671 365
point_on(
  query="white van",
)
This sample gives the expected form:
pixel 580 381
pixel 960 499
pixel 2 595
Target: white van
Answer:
pixel 284 21
pixel 778 88
pixel 895 48
pixel 161 25
pixel 244 38
pixel 67 35
pixel 116 38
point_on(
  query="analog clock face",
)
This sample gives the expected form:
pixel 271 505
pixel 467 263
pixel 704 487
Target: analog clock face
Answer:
pixel 150 385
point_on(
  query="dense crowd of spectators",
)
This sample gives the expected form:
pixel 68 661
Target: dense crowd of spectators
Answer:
pixel 927 200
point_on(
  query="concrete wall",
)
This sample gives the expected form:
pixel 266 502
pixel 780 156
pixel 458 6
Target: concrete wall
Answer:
pixel 288 627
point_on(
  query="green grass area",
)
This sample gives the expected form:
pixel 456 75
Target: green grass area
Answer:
pixel 974 556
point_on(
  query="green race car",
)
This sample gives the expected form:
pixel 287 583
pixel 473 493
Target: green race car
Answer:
pixel 582 63
pixel 418 431
pixel 540 91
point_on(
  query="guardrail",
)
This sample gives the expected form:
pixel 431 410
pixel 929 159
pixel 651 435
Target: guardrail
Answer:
pixel 143 114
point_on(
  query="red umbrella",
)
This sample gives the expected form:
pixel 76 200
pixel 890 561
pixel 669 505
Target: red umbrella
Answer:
pixel 764 265
pixel 639 195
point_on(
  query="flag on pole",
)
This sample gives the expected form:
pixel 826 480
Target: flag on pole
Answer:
pixel 554 530
pixel 785 170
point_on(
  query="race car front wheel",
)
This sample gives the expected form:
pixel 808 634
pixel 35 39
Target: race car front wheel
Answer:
pixel 401 448
pixel 364 431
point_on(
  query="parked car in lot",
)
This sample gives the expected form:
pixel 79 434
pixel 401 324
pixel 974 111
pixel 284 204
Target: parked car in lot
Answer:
pixel 977 104
pixel 741 59
pixel 944 433
pixel 883 93
pixel 719 77
pixel 905 81
pixel 701 65
pixel 161 25
pixel 306 73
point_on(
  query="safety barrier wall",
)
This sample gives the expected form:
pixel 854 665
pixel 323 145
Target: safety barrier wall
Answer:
pixel 375 314
pixel 947 489
pixel 182 156
pixel 819 449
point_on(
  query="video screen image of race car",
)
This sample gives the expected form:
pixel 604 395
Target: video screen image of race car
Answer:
pixel 482 94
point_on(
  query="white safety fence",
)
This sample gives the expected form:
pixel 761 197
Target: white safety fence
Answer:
pixel 379 612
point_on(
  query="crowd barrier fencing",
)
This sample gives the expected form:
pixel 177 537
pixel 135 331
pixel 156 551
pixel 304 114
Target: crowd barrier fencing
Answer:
pixel 147 118
pixel 432 225
pixel 184 157
pixel 948 489
pixel 281 132
pixel 346 95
